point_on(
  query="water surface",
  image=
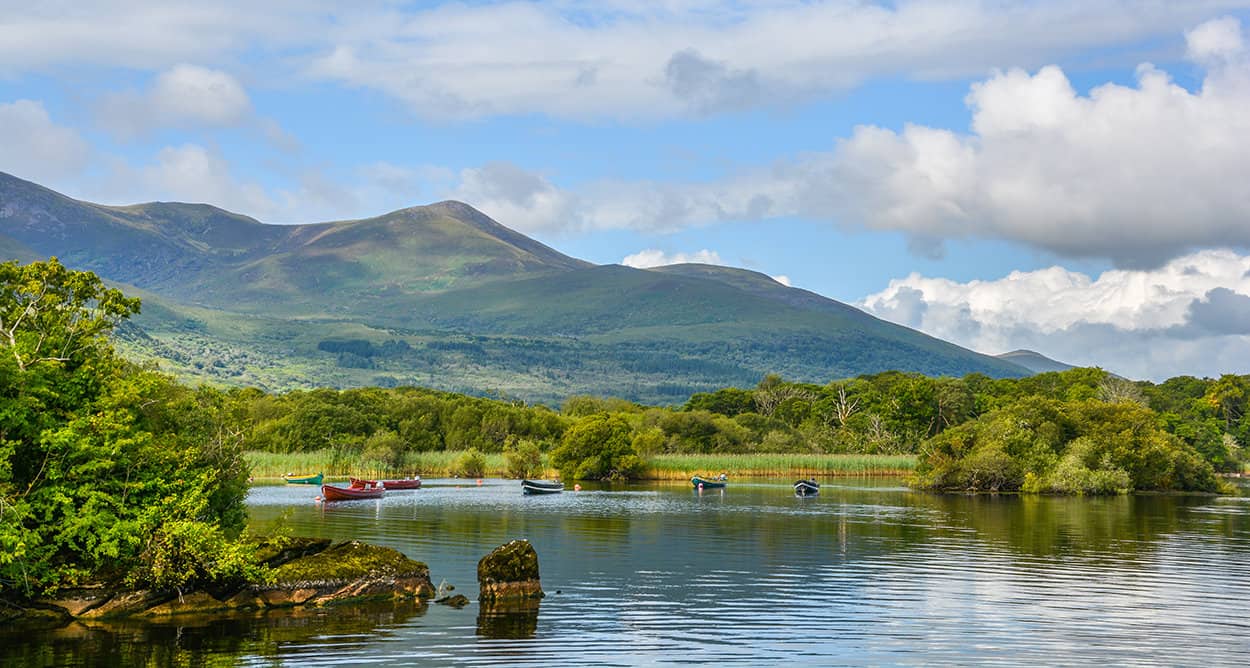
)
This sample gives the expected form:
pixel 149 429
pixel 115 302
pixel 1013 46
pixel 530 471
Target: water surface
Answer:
pixel 867 573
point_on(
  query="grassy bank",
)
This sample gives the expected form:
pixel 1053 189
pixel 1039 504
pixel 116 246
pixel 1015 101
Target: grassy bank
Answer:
pixel 660 467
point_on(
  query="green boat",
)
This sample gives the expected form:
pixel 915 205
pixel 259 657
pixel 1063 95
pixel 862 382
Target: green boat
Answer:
pixel 700 482
pixel 303 480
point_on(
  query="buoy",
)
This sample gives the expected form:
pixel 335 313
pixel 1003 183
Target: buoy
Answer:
pixel 479 481
pixel 700 487
pixel 577 488
pixel 317 498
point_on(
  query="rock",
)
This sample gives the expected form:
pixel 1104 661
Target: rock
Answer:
pixel 307 572
pixel 347 571
pixel 194 602
pixel 457 601
pixel 509 572
pixel 277 551
pixel 128 603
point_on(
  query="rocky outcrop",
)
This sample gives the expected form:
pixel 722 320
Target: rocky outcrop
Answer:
pixel 510 572
pixel 306 572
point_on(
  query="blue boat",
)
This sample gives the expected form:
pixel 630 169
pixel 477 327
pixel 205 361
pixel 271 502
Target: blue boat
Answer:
pixel 807 487
pixel 708 483
pixel 541 486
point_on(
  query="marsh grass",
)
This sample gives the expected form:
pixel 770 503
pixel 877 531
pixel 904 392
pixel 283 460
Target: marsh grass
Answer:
pixel 683 466
pixel 338 464
pixel 443 464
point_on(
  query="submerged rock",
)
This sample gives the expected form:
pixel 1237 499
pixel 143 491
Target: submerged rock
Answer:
pixel 509 572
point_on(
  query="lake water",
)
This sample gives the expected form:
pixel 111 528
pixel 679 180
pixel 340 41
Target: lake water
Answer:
pixel 868 573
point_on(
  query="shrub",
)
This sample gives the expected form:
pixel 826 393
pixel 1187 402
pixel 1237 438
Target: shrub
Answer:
pixel 470 464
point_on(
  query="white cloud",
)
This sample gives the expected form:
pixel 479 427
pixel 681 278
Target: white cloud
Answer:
pixel 583 59
pixel 1137 174
pixel 647 60
pixel 516 197
pixel 653 257
pixel 783 279
pixel 183 96
pixel 1190 316
pixel 193 173
pixel 33 146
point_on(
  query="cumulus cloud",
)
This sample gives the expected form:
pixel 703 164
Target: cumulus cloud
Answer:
pixel 653 257
pixel 1138 174
pixel 33 146
pixel 1190 316
pixel 783 279
pixel 182 96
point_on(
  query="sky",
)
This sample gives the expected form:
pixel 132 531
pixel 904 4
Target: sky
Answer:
pixel 1065 176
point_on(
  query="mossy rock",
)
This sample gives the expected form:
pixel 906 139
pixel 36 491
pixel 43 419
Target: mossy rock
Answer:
pixel 347 562
pixel 516 561
pixel 274 552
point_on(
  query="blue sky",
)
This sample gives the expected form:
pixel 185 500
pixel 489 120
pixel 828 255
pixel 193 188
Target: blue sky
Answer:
pixel 1058 175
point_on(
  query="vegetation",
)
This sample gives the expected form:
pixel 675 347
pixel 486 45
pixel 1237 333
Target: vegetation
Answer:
pixel 107 470
pixel 1078 431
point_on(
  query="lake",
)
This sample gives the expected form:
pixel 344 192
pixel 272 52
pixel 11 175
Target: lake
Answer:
pixel 867 573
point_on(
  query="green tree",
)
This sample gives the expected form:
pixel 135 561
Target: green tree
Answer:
pixel 598 447
pixel 103 462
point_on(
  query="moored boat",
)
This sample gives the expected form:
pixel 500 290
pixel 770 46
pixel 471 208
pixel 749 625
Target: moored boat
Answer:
pixel 332 493
pixel 406 483
pixel 542 486
pixel 303 479
pixel 361 483
pixel 708 483
pixel 807 487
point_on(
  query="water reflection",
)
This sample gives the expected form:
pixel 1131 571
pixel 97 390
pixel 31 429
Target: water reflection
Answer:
pixel 868 572
pixel 508 621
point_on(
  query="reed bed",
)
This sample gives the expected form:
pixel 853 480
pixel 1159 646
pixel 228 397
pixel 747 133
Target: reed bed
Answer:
pixel 683 466
pixel 336 464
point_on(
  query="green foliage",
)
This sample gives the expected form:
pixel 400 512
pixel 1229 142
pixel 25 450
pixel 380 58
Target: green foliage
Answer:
pixel 524 459
pixel 1071 447
pixel 470 464
pixel 598 447
pixel 98 457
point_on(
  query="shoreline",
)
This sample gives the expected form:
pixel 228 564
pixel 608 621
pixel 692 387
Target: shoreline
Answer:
pixel 272 466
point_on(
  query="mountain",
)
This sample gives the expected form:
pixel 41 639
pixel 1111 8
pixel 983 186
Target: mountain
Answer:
pixel 443 296
pixel 1033 361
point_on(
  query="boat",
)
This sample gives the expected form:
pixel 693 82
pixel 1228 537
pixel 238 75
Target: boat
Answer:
pixel 361 483
pixel 406 483
pixel 542 486
pixel 303 479
pixel 332 493
pixel 807 487
pixel 708 483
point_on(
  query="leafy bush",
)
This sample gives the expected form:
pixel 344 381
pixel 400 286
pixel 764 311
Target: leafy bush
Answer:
pixel 524 459
pixel 598 447
pixel 470 464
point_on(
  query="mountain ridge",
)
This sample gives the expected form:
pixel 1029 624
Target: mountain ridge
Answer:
pixel 477 304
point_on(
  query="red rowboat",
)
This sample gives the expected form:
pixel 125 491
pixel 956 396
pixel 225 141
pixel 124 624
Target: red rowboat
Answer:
pixel 409 483
pixel 358 483
pixel 332 493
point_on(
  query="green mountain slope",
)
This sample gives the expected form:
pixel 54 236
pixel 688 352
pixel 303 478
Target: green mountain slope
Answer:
pixel 443 296
pixel 1034 361
pixel 201 254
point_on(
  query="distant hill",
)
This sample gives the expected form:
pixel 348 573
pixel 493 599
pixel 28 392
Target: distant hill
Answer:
pixel 1034 361
pixel 443 296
